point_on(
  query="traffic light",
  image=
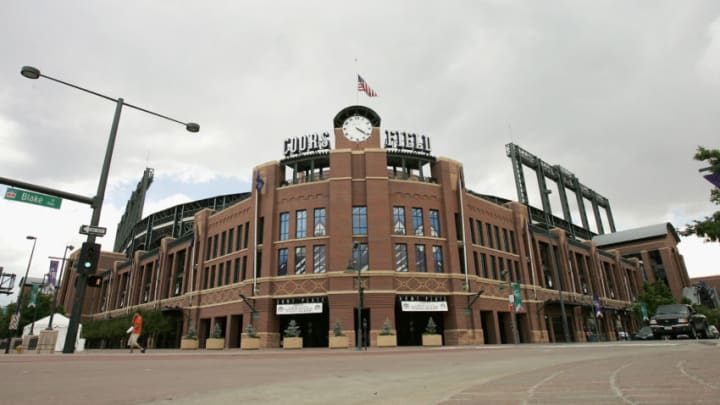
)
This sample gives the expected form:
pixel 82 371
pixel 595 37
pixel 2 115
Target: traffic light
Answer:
pixel 89 258
pixel 94 281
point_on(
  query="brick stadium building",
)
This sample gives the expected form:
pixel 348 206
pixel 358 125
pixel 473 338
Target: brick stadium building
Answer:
pixel 380 205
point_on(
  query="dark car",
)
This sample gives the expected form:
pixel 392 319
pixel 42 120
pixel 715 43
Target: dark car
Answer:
pixel 674 320
pixel 645 333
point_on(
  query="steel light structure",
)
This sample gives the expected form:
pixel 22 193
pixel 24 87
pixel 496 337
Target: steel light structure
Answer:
pixel 31 72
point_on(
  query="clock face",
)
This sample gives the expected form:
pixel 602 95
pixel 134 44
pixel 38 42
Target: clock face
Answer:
pixel 357 128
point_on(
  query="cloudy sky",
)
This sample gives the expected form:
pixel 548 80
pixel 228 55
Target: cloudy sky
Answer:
pixel 620 93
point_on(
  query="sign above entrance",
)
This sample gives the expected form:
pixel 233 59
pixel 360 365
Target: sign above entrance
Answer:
pixel 424 306
pixel 294 309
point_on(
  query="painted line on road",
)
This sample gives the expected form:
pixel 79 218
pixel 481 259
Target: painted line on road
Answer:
pixel 616 389
pixel 681 366
pixel 531 390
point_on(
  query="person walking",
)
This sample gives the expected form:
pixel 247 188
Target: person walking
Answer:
pixel 137 322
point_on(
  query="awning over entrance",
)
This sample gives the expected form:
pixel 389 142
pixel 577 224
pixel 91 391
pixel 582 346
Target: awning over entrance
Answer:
pixel 415 303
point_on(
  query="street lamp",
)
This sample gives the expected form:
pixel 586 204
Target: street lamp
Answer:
pixel 353 266
pixel 18 310
pixel 34 73
pixel 553 260
pixel 57 287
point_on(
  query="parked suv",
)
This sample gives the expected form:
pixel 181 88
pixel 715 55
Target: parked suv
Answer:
pixel 678 319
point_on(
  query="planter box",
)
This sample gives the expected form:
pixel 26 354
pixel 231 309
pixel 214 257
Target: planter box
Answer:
pixel 293 343
pixel 188 344
pixel 339 342
pixel 387 341
pixel 248 343
pixel 432 340
pixel 215 343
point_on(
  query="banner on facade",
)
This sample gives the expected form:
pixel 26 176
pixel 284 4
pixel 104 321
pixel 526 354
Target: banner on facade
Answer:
pixel 424 306
pixel 294 309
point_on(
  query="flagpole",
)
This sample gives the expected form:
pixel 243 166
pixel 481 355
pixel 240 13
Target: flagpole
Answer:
pixel 191 285
pixel 462 221
pixel 532 268
pixel 255 232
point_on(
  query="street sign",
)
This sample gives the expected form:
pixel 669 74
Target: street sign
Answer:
pixel 93 230
pixel 31 197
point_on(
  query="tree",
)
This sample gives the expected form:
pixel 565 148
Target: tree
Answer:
pixel 708 228
pixel 655 294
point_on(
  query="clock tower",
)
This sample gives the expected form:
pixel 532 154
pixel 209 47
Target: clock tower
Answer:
pixel 357 127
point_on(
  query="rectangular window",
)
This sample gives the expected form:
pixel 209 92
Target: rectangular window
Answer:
pixel 507 241
pixel 236 271
pixel 246 237
pixel 282 261
pixel 483 265
pixel 300 224
pixel 501 266
pixel 399 222
pixel 244 268
pixel 300 260
pixel 227 272
pixel 477 265
pixel 206 278
pixel 497 238
pixel 420 261
pixel 417 218
pixel 359 221
pixel 208 249
pixel 238 241
pixel 223 242
pixel 212 276
pixel 488 228
pixel 319 259
pixel 438 259
pixel 481 239
pixel 360 255
pixel 215 246
pixel 401 260
pixel 221 267
pixel 435 223
pixel 493 266
pixel 230 239
pixel 513 248
pixel 284 226
pixel 472 231
pixel 319 222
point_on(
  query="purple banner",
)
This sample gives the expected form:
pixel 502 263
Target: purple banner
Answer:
pixel 52 274
pixel 714 179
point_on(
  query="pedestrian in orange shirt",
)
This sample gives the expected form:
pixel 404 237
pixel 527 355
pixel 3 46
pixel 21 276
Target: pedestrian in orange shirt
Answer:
pixel 137 329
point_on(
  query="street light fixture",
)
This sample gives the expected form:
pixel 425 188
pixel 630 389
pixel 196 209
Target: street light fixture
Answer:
pixel 354 266
pixel 31 72
pixel 553 260
pixel 57 287
pixel 18 310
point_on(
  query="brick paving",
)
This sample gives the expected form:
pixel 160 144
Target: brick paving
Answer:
pixel 674 372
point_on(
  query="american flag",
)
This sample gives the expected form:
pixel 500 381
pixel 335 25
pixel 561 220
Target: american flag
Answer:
pixel 363 86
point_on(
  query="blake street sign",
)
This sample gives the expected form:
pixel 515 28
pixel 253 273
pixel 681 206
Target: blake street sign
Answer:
pixel 93 230
pixel 31 197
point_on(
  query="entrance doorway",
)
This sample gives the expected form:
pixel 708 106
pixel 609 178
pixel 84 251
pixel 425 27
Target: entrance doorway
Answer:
pixel 235 331
pixel 365 327
pixel 313 328
pixel 411 325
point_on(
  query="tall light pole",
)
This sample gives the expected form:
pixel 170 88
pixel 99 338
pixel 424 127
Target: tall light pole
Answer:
pixel 354 267
pixel 57 287
pixel 553 260
pixel 34 73
pixel 18 310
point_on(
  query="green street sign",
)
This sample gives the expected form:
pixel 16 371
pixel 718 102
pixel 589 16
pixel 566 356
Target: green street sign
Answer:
pixel 31 197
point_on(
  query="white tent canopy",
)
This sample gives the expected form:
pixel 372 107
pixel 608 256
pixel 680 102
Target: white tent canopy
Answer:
pixel 60 324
